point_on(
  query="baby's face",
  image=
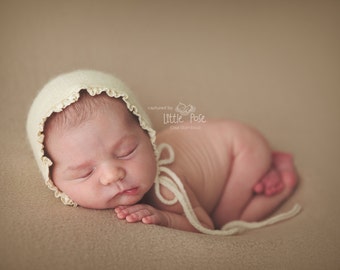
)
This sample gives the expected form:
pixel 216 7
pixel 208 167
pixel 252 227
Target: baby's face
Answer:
pixel 105 161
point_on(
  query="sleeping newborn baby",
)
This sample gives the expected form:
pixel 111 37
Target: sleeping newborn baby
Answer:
pixel 96 148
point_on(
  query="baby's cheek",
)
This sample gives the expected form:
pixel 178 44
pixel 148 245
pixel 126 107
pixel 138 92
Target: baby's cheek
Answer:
pixel 147 171
pixel 152 168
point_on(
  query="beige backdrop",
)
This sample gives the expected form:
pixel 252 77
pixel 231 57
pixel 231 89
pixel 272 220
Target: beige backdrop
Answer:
pixel 272 64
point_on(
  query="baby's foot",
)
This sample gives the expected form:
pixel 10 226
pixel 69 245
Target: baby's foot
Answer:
pixel 281 175
pixel 270 184
pixel 284 164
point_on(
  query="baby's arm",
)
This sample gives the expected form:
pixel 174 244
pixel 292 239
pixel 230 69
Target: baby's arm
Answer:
pixel 149 215
pixel 164 215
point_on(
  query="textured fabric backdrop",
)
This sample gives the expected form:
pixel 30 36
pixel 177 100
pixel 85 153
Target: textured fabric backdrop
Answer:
pixel 271 64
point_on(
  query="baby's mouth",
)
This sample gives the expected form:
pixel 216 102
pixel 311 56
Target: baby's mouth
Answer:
pixel 131 191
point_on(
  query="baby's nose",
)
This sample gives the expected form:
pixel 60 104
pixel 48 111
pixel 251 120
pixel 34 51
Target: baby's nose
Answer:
pixel 112 174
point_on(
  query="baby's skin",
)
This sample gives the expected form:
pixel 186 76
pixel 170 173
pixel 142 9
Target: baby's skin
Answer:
pixel 228 169
pixel 229 172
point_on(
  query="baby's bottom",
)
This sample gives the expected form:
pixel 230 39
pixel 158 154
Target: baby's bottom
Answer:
pixel 258 184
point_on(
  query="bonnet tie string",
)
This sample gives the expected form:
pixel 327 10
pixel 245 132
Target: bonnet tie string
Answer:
pixel 170 180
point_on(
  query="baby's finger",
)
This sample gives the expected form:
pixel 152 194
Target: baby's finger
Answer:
pixel 119 209
pixel 138 215
pixel 120 212
pixel 125 210
pixel 152 219
pixel 132 208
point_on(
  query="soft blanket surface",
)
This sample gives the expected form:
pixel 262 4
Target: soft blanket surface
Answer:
pixel 272 64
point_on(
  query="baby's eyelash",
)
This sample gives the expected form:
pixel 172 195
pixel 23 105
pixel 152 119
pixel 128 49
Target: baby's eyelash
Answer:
pixel 87 174
pixel 127 154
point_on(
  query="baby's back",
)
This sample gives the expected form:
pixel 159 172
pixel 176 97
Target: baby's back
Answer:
pixel 203 156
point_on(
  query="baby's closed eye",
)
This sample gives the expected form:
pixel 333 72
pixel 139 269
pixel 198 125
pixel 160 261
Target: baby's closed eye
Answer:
pixel 80 174
pixel 86 174
pixel 125 151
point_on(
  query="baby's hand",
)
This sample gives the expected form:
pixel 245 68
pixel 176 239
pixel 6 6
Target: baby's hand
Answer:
pixel 142 212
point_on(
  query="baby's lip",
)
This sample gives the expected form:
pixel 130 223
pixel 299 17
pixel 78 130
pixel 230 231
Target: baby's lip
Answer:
pixel 130 191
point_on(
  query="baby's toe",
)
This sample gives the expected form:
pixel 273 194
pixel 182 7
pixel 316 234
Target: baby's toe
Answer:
pixel 259 188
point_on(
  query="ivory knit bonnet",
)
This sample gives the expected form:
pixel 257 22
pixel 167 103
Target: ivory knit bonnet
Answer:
pixel 61 92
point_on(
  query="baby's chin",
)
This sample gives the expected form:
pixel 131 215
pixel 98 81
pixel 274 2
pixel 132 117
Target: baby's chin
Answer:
pixel 128 200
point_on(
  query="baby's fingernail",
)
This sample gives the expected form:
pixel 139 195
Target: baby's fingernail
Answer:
pixel 120 216
pixel 130 218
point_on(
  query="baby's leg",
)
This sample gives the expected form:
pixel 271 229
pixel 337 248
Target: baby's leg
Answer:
pixel 262 205
pixel 254 163
pixel 252 159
